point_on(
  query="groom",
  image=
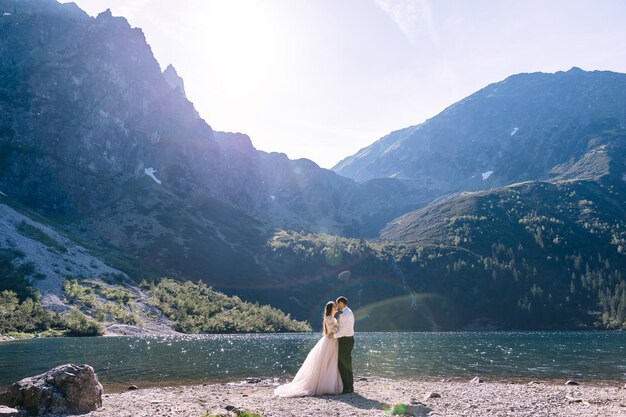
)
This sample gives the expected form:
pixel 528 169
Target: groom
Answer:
pixel 345 335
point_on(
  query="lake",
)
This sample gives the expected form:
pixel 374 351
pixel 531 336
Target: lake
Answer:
pixel 156 361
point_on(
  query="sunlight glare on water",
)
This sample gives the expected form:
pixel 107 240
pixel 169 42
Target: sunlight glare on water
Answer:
pixel 152 361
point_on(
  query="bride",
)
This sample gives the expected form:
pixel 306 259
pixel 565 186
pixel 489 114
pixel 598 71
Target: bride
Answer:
pixel 319 374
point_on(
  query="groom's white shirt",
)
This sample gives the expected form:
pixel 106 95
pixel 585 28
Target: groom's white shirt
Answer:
pixel 346 324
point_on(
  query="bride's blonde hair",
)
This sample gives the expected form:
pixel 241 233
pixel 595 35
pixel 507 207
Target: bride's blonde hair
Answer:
pixel 327 310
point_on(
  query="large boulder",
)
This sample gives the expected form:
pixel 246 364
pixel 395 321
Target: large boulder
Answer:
pixel 66 389
pixel 9 412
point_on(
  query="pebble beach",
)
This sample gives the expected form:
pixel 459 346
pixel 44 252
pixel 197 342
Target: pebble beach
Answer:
pixel 373 396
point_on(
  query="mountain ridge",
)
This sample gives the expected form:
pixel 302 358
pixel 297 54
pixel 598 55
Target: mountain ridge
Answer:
pixel 481 131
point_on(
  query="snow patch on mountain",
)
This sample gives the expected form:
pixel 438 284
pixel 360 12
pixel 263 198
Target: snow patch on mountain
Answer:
pixel 150 172
pixel 1 193
pixel 392 148
pixel 486 174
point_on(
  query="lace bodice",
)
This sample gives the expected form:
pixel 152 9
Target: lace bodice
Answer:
pixel 330 325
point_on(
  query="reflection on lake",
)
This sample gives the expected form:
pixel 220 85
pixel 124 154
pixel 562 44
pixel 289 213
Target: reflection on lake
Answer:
pixel 121 361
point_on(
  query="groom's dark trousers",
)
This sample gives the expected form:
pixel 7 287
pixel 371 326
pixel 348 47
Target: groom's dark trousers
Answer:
pixel 345 363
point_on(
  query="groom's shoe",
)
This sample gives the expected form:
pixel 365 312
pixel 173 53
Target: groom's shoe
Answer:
pixel 347 391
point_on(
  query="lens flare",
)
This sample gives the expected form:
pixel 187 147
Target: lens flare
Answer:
pixel 405 312
pixel 333 256
pixel 344 275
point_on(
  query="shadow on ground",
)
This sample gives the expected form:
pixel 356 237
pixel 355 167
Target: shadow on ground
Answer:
pixel 358 401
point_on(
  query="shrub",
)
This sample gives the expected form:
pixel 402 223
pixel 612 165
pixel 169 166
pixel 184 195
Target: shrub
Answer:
pixel 80 325
pixel 196 308
pixel 27 316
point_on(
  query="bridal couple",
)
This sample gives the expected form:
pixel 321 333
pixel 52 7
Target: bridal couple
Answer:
pixel 327 368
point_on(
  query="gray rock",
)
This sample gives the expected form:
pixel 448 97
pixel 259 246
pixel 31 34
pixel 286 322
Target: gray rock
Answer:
pixel 574 399
pixel 476 380
pixel 66 389
pixel 253 380
pixel 571 382
pixel 133 387
pixel 417 410
pixel 9 412
pixel 432 395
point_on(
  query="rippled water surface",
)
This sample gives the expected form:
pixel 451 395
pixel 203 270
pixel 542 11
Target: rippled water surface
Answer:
pixel 120 361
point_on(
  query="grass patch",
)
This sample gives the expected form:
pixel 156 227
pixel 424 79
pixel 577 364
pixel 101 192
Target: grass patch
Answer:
pixel 32 232
pixel 396 410
pixel 20 335
pixel 44 333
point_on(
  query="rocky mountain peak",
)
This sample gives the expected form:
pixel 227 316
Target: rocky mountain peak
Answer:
pixel 107 14
pixel 106 17
pixel 575 70
pixel 239 142
pixel 174 80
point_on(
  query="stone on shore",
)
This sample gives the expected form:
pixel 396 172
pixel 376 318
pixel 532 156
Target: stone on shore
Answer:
pixel 66 389
pixel 476 380
pixel 571 382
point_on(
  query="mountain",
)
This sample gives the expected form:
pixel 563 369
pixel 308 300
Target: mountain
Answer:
pixel 104 149
pixel 536 254
pixel 108 175
pixel 299 195
pixel 533 255
pixel 528 229
pixel 87 112
pixel 95 136
pixel 528 127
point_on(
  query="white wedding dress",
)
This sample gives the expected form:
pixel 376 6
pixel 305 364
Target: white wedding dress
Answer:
pixel 319 374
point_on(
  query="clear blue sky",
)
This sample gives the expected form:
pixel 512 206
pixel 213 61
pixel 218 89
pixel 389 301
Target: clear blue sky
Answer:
pixel 321 79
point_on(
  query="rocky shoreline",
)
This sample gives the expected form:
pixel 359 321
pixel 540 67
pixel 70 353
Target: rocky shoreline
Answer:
pixel 112 330
pixel 372 397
